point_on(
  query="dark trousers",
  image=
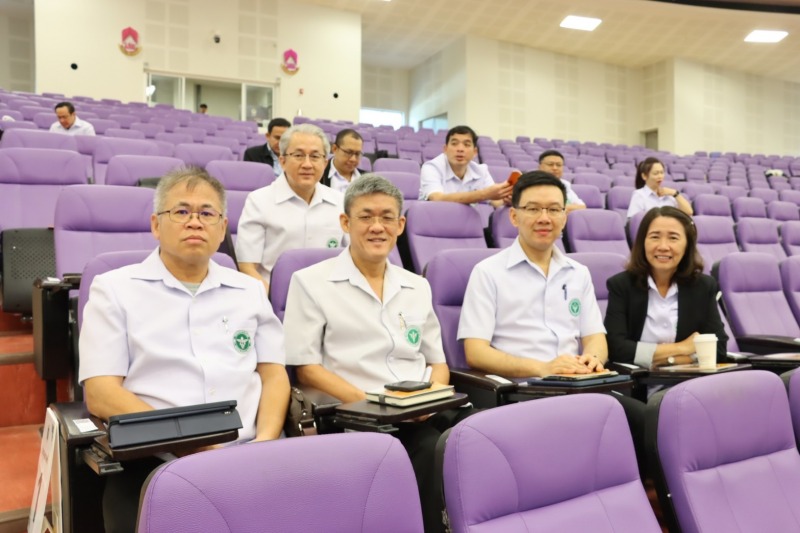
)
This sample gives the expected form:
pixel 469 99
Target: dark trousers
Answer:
pixel 635 413
pixel 122 493
pixel 419 439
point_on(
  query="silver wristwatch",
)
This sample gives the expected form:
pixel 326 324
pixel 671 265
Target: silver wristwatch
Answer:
pixel 671 360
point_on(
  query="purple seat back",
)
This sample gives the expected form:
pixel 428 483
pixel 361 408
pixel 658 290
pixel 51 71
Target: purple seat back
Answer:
pixel 239 135
pixel 790 195
pixel 590 195
pixel 113 260
pixel 435 226
pixel 749 208
pixel 102 124
pixel 601 181
pixel 601 266
pixel 595 230
pixel 760 235
pixel 169 123
pixel 226 489
pixel 129 169
pixel 396 165
pixel 715 239
pixel 756 304
pixel 793 386
pixel 768 195
pixel 18 125
pixel 124 134
pixel 31 180
pixel 448 274
pixel 407 182
pixel 505 469
pixel 619 198
pixel 504 233
pixel 790 279
pixel 150 129
pixel 286 265
pixel 174 138
pixel 42 120
pixel 712 205
pixel 790 237
pixel 93 219
pixel 782 210
pixel 108 147
pixel 241 175
pixel 23 138
pixel 201 154
pixel 125 121
pixel 198 134
pixel 728 453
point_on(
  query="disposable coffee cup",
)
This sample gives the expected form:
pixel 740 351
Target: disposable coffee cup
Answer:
pixel 705 346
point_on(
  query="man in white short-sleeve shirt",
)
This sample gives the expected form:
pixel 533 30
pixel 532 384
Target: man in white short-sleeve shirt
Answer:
pixel 552 161
pixel 68 122
pixel 178 329
pixel 527 308
pixel 454 177
pixel 295 211
pixel 356 322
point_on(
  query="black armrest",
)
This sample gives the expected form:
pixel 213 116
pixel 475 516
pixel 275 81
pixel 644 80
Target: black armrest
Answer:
pixel 483 392
pixel 322 404
pixel 636 373
pixel 768 344
pixel 51 346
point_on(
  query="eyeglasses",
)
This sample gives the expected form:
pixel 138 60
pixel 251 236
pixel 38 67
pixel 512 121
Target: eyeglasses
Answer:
pixel 299 157
pixel 181 215
pixel 536 211
pixel 351 154
pixel 384 220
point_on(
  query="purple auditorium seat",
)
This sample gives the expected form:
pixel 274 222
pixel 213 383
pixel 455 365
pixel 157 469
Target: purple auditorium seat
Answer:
pixel 728 454
pixel 31 180
pixel 602 266
pixel 209 127
pixel 150 130
pixel 125 121
pixel 102 124
pixel 596 230
pixel 240 136
pixel 590 195
pixel 241 175
pixel 365 164
pixel 30 111
pixel 792 380
pixel 231 144
pixel 790 237
pixel 748 208
pixel 106 148
pixel 779 183
pixel 715 238
pixel 505 469
pixel 790 195
pixel 174 138
pixel 286 265
pixel 23 138
pixel 783 211
pixel 92 219
pixel 197 134
pixel 169 124
pixel 124 134
pixel 790 279
pixel 435 226
pixel 632 225
pixel 129 169
pixel 16 115
pixel 409 149
pixel 407 182
pixel 693 189
pixel 500 173
pixel 429 151
pixel 386 141
pixel 396 165
pixel 732 191
pixel 712 205
pixel 755 304
pixel 42 120
pixel 767 195
pixel 618 199
pixel 226 489
pixel 760 235
pixel 503 232
pixel 448 274
pixel 202 154
pixel 601 181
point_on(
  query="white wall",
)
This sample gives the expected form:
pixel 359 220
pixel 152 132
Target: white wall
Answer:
pixel 657 96
pixel 385 88
pixel 16 46
pixel 177 37
pixel 439 85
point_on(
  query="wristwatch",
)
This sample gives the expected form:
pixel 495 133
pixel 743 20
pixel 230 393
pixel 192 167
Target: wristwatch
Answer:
pixel 671 360
pixel 677 193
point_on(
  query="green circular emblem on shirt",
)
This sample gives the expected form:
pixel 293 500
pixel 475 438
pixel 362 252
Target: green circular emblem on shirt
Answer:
pixel 575 307
pixel 333 243
pixel 413 336
pixel 242 341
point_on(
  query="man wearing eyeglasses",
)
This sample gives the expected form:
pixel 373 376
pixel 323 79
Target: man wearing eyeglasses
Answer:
pixel 356 322
pixel 178 329
pixel 552 161
pixel 527 307
pixel 343 168
pixel 295 211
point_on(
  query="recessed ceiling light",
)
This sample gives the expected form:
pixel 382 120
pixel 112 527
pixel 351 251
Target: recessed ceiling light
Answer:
pixel 765 36
pixel 574 22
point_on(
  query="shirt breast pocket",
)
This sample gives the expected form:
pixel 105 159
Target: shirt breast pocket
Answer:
pixel 412 329
pixel 239 337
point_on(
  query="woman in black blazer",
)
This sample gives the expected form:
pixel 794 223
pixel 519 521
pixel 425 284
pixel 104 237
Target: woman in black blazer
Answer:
pixel 664 260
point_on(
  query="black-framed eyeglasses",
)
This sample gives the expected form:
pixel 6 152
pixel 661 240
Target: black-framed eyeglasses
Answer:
pixel 181 215
pixel 351 154
pixel 536 211
pixel 300 157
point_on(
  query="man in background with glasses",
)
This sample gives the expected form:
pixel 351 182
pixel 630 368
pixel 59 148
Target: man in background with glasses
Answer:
pixel 527 307
pixel 178 329
pixel 295 211
pixel 343 168
pixel 356 322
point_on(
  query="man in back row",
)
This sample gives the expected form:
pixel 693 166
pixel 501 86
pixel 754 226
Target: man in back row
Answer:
pixel 68 122
pixel 454 177
pixel 552 161
pixel 342 168
pixel 269 152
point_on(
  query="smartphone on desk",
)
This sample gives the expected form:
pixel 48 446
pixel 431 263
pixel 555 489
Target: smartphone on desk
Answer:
pixel 407 386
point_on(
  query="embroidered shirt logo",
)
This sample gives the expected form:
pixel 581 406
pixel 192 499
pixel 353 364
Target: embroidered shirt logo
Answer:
pixel 242 341
pixel 575 307
pixel 333 243
pixel 413 336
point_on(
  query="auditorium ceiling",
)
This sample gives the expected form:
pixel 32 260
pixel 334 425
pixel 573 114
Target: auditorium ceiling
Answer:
pixel 634 33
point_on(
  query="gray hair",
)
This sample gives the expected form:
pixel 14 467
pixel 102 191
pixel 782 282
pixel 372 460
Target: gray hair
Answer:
pixel 372 184
pixel 306 129
pixel 192 176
